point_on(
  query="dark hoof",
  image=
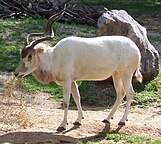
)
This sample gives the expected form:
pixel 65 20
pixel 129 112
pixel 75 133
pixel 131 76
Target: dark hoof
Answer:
pixel 121 123
pixel 77 123
pixel 105 121
pixel 60 129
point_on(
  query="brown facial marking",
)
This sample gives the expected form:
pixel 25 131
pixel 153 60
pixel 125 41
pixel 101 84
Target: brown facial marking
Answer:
pixel 25 51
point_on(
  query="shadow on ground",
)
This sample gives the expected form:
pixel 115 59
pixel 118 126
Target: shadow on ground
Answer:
pixel 36 138
pixel 49 137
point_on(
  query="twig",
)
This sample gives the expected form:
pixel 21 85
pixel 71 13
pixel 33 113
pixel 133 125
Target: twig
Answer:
pixel 73 13
pixel 20 7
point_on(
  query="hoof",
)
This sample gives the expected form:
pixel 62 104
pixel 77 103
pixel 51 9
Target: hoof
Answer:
pixel 105 121
pixel 121 123
pixel 60 129
pixel 77 123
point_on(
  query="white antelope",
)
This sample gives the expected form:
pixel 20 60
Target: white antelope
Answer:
pixel 75 58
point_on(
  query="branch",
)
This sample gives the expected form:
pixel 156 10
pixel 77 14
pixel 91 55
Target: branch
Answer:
pixel 21 8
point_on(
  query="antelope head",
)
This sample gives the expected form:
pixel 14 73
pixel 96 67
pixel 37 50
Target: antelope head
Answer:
pixel 30 53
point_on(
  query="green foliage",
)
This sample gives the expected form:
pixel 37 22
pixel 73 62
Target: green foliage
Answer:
pixel 12 37
pixel 150 94
pixel 113 138
pixel 87 94
pixel 132 139
pixel 150 7
pixel 8 57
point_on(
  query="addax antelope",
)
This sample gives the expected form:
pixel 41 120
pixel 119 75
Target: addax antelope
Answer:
pixel 76 58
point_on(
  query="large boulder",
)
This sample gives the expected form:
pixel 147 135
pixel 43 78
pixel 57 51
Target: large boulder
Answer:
pixel 119 22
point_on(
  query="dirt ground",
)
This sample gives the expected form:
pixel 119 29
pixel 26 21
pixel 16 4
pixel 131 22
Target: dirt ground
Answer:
pixel 45 116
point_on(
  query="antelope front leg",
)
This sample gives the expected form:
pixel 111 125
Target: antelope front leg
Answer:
pixel 66 98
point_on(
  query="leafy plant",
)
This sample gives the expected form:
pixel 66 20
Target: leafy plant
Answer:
pixel 150 7
pixel 150 95
pixel 113 138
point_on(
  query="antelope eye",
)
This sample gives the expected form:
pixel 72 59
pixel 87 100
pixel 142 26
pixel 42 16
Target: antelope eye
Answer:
pixel 29 57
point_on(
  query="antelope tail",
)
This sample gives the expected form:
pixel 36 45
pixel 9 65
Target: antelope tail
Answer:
pixel 138 75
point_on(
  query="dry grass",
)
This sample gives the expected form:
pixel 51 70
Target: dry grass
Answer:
pixel 14 111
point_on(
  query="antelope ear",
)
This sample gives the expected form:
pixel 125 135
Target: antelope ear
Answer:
pixel 39 51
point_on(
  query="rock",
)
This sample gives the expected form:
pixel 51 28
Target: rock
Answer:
pixel 119 22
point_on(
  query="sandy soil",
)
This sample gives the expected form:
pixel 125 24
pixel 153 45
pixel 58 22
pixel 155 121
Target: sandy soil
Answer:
pixel 45 116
